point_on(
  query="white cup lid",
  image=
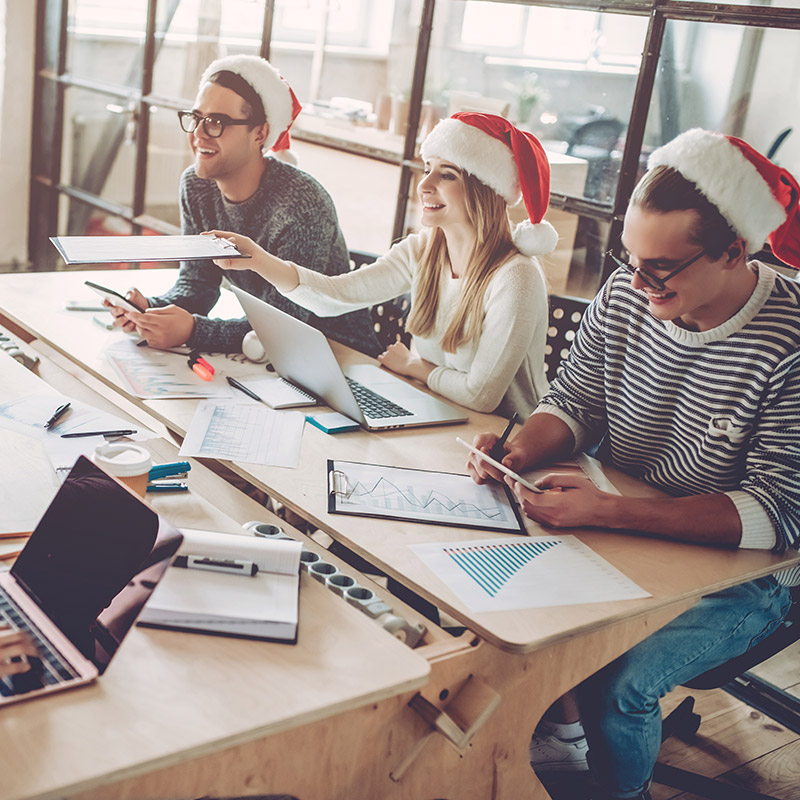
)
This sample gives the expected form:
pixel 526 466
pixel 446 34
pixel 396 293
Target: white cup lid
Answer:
pixel 122 460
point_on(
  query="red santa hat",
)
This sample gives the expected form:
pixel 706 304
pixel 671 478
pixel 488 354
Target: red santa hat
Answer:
pixel 506 159
pixel 757 198
pixel 281 107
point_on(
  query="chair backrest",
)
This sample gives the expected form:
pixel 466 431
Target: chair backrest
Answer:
pixel 786 634
pixel 565 319
pixel 598 133
pixel 388 319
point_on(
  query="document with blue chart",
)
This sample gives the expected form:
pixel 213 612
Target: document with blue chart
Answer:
pixel 437 498
pixel 510 574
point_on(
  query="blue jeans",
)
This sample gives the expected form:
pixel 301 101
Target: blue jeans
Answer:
pixel 619 704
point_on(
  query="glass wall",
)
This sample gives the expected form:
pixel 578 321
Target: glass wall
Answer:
pixel 601 87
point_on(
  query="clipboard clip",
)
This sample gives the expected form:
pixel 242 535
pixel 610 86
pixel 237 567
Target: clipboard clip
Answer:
pixel 337 483
pixel 225 244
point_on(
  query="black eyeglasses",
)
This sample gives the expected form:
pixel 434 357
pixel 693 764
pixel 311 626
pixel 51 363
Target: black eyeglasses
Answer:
pixel 652 281
pixel 213 125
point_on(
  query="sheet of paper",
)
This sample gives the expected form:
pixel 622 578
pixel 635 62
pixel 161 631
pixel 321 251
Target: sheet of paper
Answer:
pixel 150 373
pixel 537 571
pixel 28 484
pixel 109 249
pixel 439 497
pixel 245 431
pixel 29 413
pixel 63 453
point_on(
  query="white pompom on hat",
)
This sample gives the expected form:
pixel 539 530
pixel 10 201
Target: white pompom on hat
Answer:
pixel 757 198
pixel 281 106
pixel 508 160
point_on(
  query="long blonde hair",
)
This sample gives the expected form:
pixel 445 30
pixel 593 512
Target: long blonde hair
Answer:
pixel 493 246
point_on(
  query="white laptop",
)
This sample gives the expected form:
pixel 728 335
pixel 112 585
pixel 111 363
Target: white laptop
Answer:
pixel 368 394
pixel 81 580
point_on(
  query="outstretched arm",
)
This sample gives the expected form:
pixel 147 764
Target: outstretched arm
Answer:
pixel 281 274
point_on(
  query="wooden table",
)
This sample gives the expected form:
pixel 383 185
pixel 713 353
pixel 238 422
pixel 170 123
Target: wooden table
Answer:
pixel 172 698
pixel 509 666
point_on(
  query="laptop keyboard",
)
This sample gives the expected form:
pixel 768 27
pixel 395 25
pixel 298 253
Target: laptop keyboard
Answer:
pixel 373 405
pixel 52 669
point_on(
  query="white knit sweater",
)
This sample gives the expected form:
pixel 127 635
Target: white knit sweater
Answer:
pixel 501 371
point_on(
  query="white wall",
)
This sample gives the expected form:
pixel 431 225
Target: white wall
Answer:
pixel 17 42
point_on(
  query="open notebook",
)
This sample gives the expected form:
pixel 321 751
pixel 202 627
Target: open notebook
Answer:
pixel 260 606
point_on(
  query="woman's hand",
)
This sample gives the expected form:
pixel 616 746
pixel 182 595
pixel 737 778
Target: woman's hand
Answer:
pixel 398 358
pixel 245 245
pixel 281 274
pixel 568 501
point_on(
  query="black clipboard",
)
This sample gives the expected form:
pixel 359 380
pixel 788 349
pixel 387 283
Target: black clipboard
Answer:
pixel 338 487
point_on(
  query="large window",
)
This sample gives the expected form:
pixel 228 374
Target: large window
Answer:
pixel 600 83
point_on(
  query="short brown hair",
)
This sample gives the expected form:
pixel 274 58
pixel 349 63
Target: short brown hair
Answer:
pixel 663 189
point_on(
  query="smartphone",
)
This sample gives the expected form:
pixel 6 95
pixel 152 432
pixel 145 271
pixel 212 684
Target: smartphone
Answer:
pixel 115 298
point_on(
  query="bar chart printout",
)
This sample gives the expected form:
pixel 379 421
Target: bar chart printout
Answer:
pixel 436 497
pixel 510 574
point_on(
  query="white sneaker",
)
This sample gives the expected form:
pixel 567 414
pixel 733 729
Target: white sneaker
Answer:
pixel 551 754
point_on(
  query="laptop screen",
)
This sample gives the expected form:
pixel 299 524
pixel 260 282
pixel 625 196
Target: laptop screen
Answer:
pixel 94 559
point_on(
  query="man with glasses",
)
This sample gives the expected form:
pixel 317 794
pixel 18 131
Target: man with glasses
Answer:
pixel 244 110
pixel 687 364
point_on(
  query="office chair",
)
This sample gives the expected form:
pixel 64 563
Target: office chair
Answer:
pixel 388 319
pixel 684 723
pixel 593 141
pixel 565 319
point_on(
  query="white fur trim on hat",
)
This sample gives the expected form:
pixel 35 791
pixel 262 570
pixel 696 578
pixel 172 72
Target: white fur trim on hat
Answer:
pixel 535 240
pixel 488 159
pixel 268 84
pixel 728 179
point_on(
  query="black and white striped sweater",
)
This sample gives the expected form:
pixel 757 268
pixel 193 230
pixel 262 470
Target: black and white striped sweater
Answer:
pixel 696 412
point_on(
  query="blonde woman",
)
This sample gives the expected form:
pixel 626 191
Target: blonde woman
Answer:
pixel 478 296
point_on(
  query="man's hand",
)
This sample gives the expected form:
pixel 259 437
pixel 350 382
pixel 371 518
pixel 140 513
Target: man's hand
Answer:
pixel 170 326
pixel 15 645
pixel 481 471
pixel 568 501
pixel 119 314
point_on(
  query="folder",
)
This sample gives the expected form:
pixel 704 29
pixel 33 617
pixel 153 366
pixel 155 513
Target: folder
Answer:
pixel 113 249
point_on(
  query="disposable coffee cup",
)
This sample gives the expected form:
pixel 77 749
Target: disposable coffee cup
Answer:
pixel 126 462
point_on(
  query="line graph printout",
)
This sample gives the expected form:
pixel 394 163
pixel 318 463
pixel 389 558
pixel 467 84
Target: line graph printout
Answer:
pixel 441 498
pixel 244 431
pixel 150 373
pixel 511 574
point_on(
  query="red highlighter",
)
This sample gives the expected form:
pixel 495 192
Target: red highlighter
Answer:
pixel 201 367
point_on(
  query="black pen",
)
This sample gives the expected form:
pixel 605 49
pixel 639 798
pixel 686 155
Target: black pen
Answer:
pixel 56 415
pixel 498 451
pixel 96 433
pixel 242 388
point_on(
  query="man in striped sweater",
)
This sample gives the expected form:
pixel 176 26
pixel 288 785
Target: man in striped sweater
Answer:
pixel 688 365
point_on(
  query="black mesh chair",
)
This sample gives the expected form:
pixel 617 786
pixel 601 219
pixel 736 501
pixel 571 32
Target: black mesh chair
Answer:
pixel 733 677
pixel 594 141
pixel 565 319
pixel 388 319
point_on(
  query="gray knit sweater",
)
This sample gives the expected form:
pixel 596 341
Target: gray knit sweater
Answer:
pixel 291 216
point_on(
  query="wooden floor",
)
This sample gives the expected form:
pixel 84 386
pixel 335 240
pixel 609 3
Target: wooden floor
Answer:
pixel 735 743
